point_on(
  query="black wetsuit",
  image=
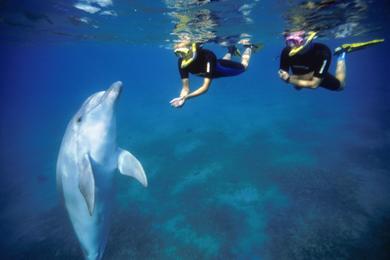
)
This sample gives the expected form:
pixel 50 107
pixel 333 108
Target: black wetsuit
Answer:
pixel 207 65
pixel 315 59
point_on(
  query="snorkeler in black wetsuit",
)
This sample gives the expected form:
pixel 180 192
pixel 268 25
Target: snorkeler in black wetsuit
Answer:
pixel 314 62
pixel 208 66
pixel 309 62
pixel 202 62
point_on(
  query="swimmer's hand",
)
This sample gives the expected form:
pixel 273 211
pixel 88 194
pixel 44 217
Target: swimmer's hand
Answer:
pixel 177 102
pixel 284 75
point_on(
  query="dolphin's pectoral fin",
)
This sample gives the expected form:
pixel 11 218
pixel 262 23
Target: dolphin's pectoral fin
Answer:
pixel 87 182
pixel 129 165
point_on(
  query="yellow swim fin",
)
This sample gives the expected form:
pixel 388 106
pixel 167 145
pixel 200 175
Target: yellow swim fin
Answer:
pixel 350 47
pixel 310 37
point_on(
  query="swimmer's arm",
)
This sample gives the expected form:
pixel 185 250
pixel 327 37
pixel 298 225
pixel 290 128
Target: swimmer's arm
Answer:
pixel 186 87
pixel 202 89
pixel 303 83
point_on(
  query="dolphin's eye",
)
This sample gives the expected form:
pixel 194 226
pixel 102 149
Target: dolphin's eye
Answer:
pixel 79 119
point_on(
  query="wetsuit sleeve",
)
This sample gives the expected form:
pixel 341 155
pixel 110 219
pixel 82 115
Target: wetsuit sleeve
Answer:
pixel 322 63
pixel 183 72
pixel 211 61
pixel 284 60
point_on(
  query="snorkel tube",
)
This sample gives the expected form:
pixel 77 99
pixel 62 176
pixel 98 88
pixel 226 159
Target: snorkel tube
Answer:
pixel 189 57
pixel 187 53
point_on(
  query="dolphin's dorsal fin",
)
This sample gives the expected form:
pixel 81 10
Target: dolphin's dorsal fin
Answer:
pixel 129 165
pixel 87 182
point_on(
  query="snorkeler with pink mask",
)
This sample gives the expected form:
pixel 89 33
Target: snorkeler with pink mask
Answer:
pixel 309 62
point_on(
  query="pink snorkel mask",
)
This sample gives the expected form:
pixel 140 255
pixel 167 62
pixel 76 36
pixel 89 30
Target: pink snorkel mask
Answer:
pixel 295 39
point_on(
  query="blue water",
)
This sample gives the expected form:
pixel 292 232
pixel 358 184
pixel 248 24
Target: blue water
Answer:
pixel 251 170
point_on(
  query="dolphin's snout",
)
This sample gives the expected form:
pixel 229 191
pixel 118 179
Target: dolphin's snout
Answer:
pixel 115 90
pixel 116 87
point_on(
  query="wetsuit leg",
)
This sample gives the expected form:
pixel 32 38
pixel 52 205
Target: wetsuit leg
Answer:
pixel 228 68
pixel 330 82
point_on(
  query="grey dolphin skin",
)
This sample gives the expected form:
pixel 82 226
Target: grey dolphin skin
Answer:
pixel 87 161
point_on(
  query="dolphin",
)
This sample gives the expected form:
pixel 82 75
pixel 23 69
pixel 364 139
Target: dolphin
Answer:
pixel 87 161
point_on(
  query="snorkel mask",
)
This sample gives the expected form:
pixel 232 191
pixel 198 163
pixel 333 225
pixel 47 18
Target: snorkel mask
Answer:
pixel 188 54
pixel 297 41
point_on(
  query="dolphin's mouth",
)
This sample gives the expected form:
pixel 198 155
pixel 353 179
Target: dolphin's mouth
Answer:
pixel 108 97
pixel 113 92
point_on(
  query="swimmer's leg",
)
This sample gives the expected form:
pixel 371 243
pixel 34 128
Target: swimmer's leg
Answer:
pixel 246 56
pixel 341 70
pixel 347 48
pixel 228 56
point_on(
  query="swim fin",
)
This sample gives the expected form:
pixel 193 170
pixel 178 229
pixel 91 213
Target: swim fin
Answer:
pixel 350 47
pixel 234 51
pixel 254 46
